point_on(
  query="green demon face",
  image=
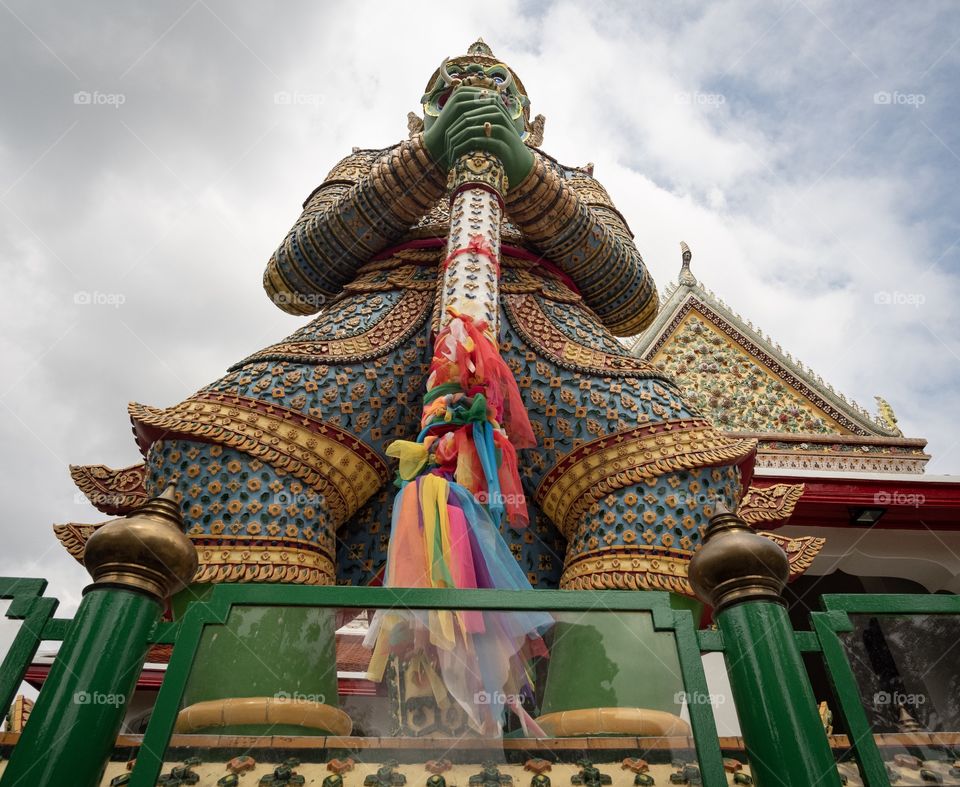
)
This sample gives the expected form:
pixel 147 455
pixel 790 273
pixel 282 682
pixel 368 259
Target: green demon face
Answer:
pixel 496 79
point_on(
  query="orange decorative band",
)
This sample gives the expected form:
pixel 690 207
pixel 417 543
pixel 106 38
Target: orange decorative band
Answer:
pixel 626 458
pixel 331 460
pixel 630 568
pixel 398 325
pixel 249 560
pixel 642 567
pixel 234 559
pixel 538 331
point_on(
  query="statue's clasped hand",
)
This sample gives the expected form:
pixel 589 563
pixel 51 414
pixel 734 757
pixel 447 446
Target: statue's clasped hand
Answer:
pixel 476 119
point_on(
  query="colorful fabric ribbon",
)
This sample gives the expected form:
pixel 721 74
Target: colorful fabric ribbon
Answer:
pixel 458 481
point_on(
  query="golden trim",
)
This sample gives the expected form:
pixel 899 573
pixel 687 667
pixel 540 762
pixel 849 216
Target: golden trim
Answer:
pixel 769 503
pixel 639 311
pixel 332 461
pixel 538 331
pixel 626 458
pixel 74 536
pixel 478 168
pixel 252 562
pixel 591 191
pixel 800 551
pixel 113 491
pixel 640 567
pixel 398 324
pixel 246 560
pixel 352 168
pixel 642 722
pixel 267 711
pixel 629 568
pixel 19 714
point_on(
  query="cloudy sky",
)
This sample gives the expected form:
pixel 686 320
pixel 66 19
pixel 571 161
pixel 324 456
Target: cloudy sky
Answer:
pixel 808 152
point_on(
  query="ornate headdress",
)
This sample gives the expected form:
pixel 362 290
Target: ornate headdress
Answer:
pixel 479 52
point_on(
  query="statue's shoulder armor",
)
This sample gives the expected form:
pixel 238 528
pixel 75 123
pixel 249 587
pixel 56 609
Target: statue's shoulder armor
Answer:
pixel 581 180
pixel 351 169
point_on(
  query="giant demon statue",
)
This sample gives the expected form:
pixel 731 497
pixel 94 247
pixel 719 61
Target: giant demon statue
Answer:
pixel 281 466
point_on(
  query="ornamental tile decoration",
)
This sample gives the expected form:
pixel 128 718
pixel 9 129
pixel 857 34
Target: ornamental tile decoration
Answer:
pixel 770 503
pixel 728 384
pixel 747 385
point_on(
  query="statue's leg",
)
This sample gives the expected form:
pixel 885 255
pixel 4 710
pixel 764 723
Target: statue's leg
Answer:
pixel 236 506
pixel 640 536
pixel 655 525
pixel 235 503
pixel 630 475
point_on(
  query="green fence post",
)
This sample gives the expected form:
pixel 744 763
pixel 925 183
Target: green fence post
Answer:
pixel 742 575
pixel 136 563
pixel 847 692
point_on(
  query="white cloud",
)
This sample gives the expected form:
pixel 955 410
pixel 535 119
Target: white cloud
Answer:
pixel 748 130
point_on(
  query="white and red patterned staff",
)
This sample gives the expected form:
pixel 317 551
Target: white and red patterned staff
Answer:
pixel 459 478
pixel 473 419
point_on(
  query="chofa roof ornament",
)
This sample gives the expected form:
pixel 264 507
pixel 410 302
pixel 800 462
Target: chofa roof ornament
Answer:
pixel 686 276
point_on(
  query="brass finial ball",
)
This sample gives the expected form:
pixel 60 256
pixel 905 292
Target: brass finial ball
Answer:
pixel 736 564
pixel 146 550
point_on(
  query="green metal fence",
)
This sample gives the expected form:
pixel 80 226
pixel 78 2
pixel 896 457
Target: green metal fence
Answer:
pixel 825 637
pixel 28 604
pixel 828 627
pixel 215 610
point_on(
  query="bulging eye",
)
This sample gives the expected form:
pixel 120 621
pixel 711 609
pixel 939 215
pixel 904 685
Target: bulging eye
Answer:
pixel 499 79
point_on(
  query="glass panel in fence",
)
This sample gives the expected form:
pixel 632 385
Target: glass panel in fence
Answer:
pixel 907 666
pixel 907 671
pixel 438 698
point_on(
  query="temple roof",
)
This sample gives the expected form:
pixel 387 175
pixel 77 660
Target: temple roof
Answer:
pixel 746 383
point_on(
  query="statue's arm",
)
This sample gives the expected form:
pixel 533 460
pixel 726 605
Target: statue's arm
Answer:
pixel 357 212
pixel 573 223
